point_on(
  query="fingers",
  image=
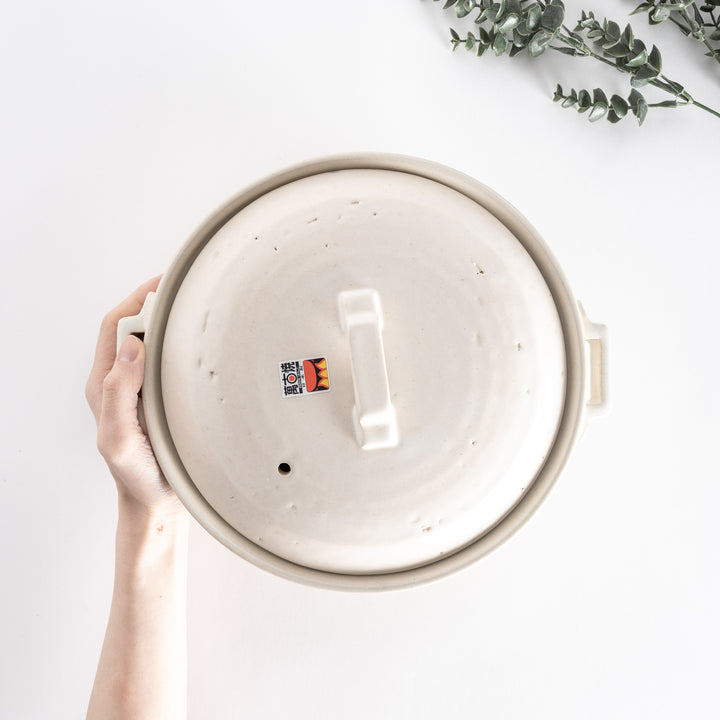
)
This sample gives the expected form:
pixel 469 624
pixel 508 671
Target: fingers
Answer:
pixel 107 342
pixel 118 428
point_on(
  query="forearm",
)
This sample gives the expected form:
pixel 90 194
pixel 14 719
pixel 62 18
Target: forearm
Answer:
pixel 142 671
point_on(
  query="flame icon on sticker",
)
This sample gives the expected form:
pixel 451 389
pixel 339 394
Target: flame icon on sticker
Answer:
pixel 301 377
pixel 316 375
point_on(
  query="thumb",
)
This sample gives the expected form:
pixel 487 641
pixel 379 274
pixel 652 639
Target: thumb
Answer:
pixel 118 426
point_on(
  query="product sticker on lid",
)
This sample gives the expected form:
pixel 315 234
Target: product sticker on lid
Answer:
pixel 300 377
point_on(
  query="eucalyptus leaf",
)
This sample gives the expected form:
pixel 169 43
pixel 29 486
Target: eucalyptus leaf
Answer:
pixel 633 99
pixel 496 11
pixel 643 76
pixel 464 7
pixel 619 106
pixel 628 38
pixel 613 31
pixel 638 105
pixel 533 16
pixel 659 14
pixel 598 112
pixel 575 41
pixel 638 60
pixel 599 97
pixel 508 23
pixel 617 50
pixel 499 44
pixel 552 18
pixel 654 59
pixel 539 42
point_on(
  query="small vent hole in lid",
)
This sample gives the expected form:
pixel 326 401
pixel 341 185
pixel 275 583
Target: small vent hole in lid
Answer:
pixel 284 468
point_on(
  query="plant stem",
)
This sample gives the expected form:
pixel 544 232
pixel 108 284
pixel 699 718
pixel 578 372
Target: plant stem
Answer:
pixel 643 66
pixel 655 83
pixel 683 29
pixel 706 108
pixel 686 16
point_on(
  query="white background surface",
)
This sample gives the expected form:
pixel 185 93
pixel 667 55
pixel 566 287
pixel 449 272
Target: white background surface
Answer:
pixel 123 125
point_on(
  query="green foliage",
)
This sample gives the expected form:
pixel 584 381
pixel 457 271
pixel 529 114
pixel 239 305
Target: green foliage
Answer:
pixel 509 26
pixel 629 54
pixel 599 107
pixel 514 26
pixel 700 21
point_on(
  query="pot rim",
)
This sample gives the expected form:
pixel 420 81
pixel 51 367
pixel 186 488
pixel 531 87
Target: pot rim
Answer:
pixel 569 427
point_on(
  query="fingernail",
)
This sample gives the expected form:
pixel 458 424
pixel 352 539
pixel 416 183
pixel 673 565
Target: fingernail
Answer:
pixel 129 349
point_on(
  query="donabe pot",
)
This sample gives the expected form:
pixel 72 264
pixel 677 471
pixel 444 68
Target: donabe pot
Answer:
pixel 366 371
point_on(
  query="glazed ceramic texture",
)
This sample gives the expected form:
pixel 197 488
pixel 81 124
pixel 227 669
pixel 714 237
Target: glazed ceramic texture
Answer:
pixel 582 392
pixel 475 361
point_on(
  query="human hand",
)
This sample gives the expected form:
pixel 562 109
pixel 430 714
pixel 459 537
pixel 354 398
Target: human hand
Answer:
pixel 112 393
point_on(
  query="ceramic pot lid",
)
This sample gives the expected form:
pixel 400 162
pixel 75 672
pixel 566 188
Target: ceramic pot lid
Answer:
pixel 363 371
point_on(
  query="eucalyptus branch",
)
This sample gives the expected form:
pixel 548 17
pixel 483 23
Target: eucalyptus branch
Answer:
pixel 513 26
pixel 691 20
pixel 599 106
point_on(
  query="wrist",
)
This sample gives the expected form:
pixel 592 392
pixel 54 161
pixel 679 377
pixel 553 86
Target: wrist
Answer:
pixel 149 539
pixel 164 517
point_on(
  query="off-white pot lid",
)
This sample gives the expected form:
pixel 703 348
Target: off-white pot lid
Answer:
pixel 439 343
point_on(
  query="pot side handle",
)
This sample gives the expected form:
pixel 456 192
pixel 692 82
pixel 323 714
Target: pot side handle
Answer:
pixel 136 324
pixel 596 336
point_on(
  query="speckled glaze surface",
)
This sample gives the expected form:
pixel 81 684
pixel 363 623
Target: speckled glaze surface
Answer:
pixel 474 356
pixel 486 366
